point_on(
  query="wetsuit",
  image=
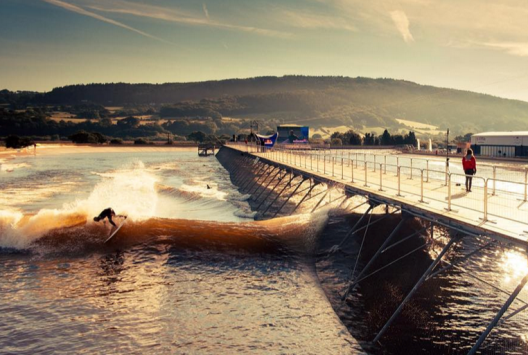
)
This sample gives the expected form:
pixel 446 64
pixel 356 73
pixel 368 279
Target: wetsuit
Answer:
pixel 107 213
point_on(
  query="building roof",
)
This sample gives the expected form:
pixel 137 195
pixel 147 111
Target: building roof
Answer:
pixel 502 134
pixel 288 125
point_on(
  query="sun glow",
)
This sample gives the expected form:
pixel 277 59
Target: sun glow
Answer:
pixel 514 265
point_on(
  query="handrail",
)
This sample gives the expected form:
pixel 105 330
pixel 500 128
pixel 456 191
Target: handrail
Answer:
pixel 371 163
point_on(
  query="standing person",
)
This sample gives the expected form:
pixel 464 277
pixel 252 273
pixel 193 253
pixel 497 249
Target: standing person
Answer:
pixel 469 163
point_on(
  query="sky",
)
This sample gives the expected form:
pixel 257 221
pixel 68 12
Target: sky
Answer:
pixel 474 45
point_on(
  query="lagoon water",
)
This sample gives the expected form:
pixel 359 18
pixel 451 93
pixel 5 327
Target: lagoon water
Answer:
pixel 192 272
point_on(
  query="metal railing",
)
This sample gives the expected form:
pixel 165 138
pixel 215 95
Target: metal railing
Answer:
pixel 424 180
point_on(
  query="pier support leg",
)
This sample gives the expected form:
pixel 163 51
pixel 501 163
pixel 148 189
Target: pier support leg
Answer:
pixel 414 289
pixel 321 200
pixel 290 196
pixel 268 184
pixel 305 196
pixel 501 312
pixel 378 252
pixel 245 168
pixel 278 195
pixel 354 228
pixel 255 177
pixel 239 171
pixel 248 169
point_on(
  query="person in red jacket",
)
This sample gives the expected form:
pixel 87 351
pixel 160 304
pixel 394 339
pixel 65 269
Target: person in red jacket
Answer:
pixel 469 163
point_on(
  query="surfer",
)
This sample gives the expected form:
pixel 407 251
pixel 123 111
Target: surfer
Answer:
pixel 107 213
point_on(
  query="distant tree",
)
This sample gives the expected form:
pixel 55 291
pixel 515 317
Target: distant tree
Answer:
pixel 461 139
pixel 410 139
pixel 129 122
pixel 398 139
pixel 386 138
pixel 116 141
pixel 370 139
pixel 336 141
pixel 141 141
pixel 317 136
pixel 87 137
pixel 197 136
pixel 337 135
pixel 352 138
pixel 17 142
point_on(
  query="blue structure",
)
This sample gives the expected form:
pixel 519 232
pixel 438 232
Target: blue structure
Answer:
pixel 267 141
pixel 293 134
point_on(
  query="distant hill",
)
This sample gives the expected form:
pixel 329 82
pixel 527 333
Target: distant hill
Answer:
pixel 315 101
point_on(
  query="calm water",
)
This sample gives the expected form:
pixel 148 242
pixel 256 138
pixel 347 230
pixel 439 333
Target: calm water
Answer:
pixel 190 272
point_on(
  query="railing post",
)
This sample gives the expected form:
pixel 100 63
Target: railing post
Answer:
pixel 333 163
pixel 525 183
pixel 398 162
pixel 427 174
pixel 411 169
pixel 365 173
pixel 381 177
pixel 494 174
pixel 449 192
pixel 324 164
pixel 485 219
pixel 421 185
pixel 446 172
pixel 374 163
pixel 342 169
pixel 352 171
pixel 311 162
pixel 399 179
pixel 385 164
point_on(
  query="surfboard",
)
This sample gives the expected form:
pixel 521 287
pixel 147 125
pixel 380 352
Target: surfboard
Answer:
pixel 116 230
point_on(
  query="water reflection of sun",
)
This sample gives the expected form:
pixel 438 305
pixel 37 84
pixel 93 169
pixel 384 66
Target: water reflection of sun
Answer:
pixel 514 264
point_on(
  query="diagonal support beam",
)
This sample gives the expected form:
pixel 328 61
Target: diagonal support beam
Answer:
pixel 378 252
pixel 267 185
pixel 249 182
pixel 414 289
pixel 288 184
pixel 353 230
pixel 257 178
pixel 290 196
pixel 304 197
pixel 501 312
pixel 321 200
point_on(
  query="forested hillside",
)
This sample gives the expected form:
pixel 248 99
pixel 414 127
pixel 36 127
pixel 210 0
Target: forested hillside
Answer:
pixel 316 101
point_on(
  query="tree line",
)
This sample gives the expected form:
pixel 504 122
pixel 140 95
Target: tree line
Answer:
pixel 353 138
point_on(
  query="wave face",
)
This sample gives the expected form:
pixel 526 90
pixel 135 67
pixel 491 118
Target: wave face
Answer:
pixel 190 271
pixel 56 192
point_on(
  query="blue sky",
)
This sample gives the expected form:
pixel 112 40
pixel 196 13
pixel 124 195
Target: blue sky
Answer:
pixel 472 45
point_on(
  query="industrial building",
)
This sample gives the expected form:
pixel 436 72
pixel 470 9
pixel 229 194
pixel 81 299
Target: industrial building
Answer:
pixel 500 144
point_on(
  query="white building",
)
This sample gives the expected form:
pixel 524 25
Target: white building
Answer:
pixel 500 144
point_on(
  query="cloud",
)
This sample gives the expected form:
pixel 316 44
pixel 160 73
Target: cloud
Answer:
pixel 402 24
pixel 177 16
pixel 512 48
pixel 206 12
pixel 84 12
pixel 314 21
